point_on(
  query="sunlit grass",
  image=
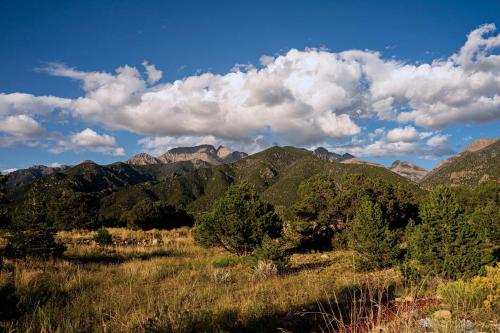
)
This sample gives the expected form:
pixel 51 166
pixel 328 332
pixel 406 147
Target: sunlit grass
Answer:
pixel 180 287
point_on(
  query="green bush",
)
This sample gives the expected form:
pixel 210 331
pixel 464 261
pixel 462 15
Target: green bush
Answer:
pixel 445 242
pixel 225 262
pixel 103 237
pixel 376 246
pixel 238 221
pixel 272 250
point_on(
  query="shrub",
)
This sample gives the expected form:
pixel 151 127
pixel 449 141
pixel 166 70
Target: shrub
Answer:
pixel 272 250
pixel 221 276
pixel 238 221
pixel 264 269
pixel 103 237
pixel 474 296
pixel 445 243
pixel 147 215
pixel 375 244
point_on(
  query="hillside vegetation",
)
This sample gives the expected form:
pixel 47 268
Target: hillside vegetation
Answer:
pixel 468 168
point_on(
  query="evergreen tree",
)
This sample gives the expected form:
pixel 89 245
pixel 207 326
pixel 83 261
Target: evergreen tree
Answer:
pixel 327 205
pixel 32 234
pixel 238 222
pixel 486 219
pixel 445 242
pixel 147 214
pixel 375 244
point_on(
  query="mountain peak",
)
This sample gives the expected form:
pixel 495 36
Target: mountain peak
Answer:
pixel 408 169
pixel 195 154
pixel 223 152
pixel 143 159
pixel 334 157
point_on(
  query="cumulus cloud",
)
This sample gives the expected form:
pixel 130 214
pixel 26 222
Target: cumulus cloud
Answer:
pixel 20 129
pixel 399 141
pixel 154 75
pixel 89 140
pixel 304 97
pixel 21 126
pixel 20 103
pixel 406 134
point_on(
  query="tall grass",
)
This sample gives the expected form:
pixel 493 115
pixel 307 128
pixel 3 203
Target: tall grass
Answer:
pixel 179 287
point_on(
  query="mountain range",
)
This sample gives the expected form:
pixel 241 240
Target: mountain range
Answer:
pixel 193 177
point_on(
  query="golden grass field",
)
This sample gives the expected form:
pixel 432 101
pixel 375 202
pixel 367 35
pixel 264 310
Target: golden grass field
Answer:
pixel 176 286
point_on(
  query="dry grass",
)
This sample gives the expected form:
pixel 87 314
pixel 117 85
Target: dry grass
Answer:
pixel 180 287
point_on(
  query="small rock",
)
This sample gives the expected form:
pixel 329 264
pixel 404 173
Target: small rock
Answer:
pixel 442 315
pixel 409 299
pixel 324 256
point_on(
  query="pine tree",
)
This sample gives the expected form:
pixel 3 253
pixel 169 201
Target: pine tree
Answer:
pixel 238 222
pixel 375 244
pixel 445 242
pixel 31 234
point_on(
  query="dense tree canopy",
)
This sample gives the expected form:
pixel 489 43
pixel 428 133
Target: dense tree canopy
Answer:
pixel 327 205
pixel 148 214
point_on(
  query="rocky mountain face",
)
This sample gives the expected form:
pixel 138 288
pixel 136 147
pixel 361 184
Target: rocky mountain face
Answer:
pixel 477 163
pixel 23 177
pixel 345 158
pixel 199 155
pixel 143 159
pixel 332 157
pixel 409 170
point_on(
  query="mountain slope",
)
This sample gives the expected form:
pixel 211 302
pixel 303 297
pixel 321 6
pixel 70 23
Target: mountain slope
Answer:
pixel 23 177
pixel 479 162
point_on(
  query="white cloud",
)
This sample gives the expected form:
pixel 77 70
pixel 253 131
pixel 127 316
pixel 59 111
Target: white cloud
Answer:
pixel 19 103
pixel 439 140
pixel 405 141
pixel 7 171
pixel 89 140
pixel 406 134
pixel 303 97
pixel 21 126
pixel 154 75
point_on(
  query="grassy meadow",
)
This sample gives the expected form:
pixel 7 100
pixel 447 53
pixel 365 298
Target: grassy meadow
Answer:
pixel 160 281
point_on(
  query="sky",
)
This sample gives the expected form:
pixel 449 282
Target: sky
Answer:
pixel 382 80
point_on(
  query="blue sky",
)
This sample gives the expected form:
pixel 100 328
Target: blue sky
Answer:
pixel 383 80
